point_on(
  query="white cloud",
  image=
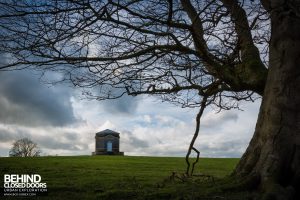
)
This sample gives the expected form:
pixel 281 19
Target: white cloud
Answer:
pixel 212 119
pixel 147 118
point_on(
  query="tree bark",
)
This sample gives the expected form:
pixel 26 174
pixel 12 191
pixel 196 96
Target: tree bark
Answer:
pixel 272 159
pixel 191 147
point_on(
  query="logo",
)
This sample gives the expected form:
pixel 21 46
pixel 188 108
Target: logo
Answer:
pixel 24 185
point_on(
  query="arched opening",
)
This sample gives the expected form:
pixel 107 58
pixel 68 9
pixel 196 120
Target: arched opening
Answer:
pixel 109 146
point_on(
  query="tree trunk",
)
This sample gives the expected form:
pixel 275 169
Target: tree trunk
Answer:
pixel 272 158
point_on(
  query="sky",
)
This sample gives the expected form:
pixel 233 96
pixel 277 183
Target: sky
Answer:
pixel 62 122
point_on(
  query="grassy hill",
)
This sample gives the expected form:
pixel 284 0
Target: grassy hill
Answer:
pixel 123 177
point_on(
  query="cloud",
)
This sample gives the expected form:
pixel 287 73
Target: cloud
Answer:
pixel 212 119
pixel 74 140
pixel 124 105
pixel 167 133
pixel 232 148
pixel 25 101
pixel 49 142
pixel 11 134
pixel 144 133
pixel 134 141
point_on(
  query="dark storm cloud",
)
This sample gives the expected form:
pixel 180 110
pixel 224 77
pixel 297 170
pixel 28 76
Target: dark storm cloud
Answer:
pixel 26 101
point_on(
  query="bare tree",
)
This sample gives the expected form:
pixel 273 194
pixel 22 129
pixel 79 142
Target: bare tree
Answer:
pixel 184 51
pixel 24 148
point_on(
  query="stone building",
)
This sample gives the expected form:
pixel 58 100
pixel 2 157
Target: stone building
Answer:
pixel 107 142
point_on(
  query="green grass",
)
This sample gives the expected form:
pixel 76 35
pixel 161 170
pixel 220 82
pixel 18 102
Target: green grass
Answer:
pixel 121 177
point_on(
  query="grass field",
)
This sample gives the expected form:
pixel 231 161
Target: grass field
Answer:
pixel 123 177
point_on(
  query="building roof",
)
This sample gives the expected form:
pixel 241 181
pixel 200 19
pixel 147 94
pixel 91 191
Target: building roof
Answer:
pixel 107 132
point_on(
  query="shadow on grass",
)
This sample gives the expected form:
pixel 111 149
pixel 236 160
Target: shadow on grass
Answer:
pixel 200 187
